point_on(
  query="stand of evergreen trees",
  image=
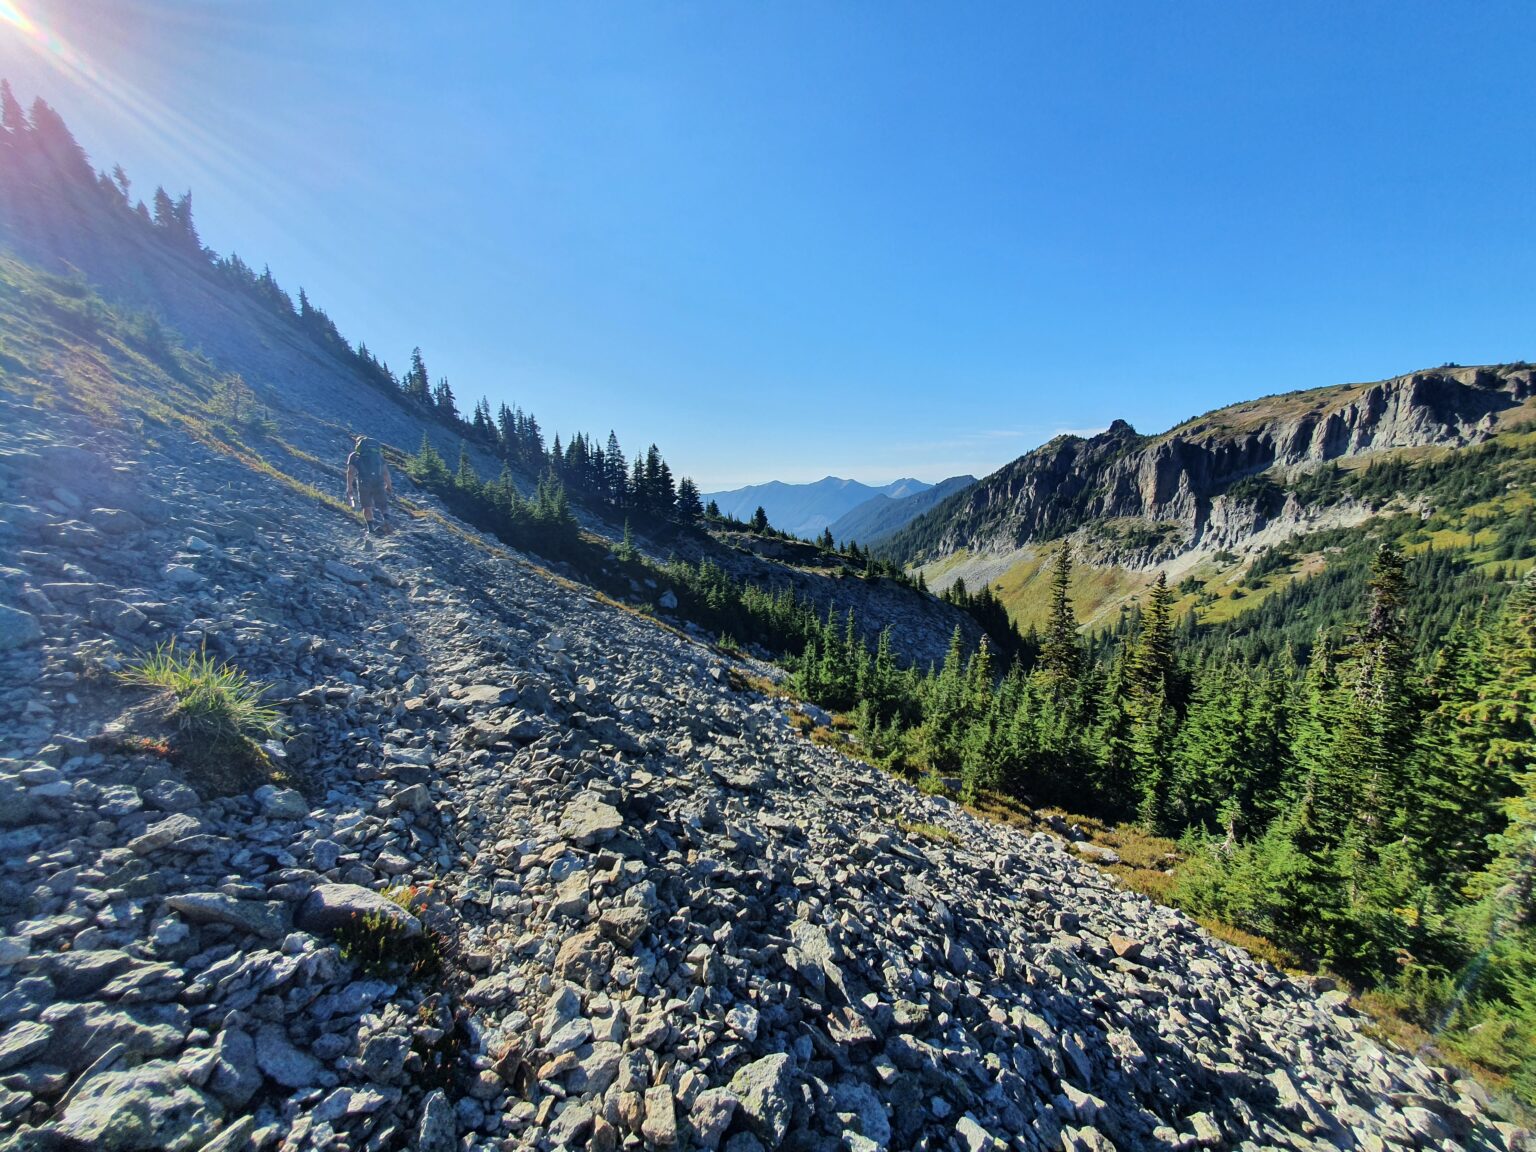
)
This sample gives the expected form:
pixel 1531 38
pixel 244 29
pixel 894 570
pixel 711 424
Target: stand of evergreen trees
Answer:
pixel 1373 811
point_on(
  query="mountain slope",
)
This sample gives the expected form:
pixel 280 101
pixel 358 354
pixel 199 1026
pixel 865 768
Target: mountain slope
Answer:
pixel 805 509
pixel 1208 495
pixel 879 516
pixel 630 861
pixel 653 913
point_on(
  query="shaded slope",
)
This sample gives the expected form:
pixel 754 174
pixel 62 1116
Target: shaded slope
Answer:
pixel 878 517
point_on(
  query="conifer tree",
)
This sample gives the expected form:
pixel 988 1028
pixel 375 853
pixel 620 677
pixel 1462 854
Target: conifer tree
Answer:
pixel 465 478
pixel 443 400
pixel 12 118
pixel 1152 661
pixel 165 210
pixel 417 386
pixel 689 508
pixel 1061 654
pixel 1505 713
pixel 1113 741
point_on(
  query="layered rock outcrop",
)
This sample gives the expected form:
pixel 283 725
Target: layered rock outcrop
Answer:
pixel 1183 477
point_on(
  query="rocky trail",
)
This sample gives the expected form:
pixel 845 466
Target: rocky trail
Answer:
pixel 665 919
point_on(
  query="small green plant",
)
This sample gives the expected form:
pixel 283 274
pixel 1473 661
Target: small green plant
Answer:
pixel 625 550
pixel 211 698
pixel 935 832
pixel 375 944
pixel 931 783
pixel 235 407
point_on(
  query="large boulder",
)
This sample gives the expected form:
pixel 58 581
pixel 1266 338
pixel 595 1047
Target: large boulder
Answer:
pixel 333 906
pixel 764 1090
pixel 587 820
pixel 148 1107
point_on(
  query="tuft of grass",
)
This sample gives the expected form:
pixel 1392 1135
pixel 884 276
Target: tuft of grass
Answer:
pixel 211 698
pixel 935 832
pixel 218 715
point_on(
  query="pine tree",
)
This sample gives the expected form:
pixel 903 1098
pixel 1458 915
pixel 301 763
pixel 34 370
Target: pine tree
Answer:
pixel 52 137
pixel 1061 654
pixel 1505 715
pixel 186 230
pixel 760 520
pixel 1114 749
pixel 1152 662
pixel 689 508
pixel 165 210
pixel 443 400
pixel 417 386
pixel 12 118
pixel 465 478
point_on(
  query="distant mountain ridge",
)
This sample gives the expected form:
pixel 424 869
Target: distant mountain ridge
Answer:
pixel 806 509
pixel 879 516
pixel 1189 480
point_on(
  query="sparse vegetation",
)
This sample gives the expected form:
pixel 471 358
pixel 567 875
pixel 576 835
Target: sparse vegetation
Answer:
pixel 380 950
pixel 934 832
pixel 217 716
pixel 212 699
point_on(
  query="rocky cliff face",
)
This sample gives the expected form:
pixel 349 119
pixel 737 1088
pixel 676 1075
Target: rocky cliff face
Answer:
pixel 1183 477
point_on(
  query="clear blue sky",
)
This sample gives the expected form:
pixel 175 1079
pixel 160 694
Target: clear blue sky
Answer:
pixel 870 239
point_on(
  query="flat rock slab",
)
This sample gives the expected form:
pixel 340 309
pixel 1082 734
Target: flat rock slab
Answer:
pixel 148 1107
pixel 264 918
pixel 279 1060
pixel 333 906
pixel 345 572
pixel 163 832
pixel 587 821
pixel 487 695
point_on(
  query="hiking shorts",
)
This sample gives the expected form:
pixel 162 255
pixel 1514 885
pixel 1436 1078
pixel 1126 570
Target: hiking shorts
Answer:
pixel 370 494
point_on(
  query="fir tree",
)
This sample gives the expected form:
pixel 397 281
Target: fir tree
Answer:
pixel 417 386
pixel 689 508
pixel 12 118
pixel 1061 654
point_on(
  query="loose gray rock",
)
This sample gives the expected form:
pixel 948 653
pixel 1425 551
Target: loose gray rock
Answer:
pixel 21 1042
pixel 763 1089
pixel 18 628
pixel 236 1077
pixel 436 1131
pixel 281 803
pixel 284 1063
pixel 266 919
pixel 587 820
pixel 711 1115
pixel 145 1108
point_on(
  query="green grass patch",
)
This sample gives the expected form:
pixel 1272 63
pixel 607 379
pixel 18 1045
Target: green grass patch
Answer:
pixel 923 831
pixel 216 714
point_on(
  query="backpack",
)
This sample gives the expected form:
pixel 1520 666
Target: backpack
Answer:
pixel 370 462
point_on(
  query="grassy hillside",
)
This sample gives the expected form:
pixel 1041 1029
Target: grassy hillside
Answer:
pixel 1466 514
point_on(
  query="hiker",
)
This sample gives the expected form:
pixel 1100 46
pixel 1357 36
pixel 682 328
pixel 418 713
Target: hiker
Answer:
pixel 368 484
